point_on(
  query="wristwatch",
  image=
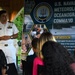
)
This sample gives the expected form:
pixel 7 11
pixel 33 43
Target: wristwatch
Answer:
pixel 11 37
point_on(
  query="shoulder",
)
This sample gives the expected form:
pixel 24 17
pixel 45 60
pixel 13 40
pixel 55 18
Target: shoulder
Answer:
pixel 38 60
pixel 31 57
pixel 10 22
pixel 73 67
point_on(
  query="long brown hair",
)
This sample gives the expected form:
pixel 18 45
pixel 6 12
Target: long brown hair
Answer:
pixel 46 36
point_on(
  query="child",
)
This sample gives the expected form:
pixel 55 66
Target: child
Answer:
pixel 28 64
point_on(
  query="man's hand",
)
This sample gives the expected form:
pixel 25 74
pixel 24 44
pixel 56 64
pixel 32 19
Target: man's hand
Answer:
pixel 4 37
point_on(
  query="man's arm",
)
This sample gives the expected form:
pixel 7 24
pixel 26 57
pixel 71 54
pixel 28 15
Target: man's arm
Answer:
pixel 9 37
pixel 14 36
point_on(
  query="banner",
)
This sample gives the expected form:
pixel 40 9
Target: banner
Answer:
pixel 58 17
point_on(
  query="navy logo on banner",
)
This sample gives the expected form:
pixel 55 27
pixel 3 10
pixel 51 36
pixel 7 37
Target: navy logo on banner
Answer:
pixel 42 12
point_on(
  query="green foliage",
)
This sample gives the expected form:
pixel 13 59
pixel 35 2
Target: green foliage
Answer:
pixel 19 20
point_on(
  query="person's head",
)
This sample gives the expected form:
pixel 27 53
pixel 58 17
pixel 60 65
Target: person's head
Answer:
pixel 38 29
pixel 56 59
pixel 35 26
pixel 34 44
pixel 46 36
pixel 3 16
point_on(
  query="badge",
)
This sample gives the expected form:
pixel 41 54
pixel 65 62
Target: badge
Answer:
pixel 42 12
pixel 9 27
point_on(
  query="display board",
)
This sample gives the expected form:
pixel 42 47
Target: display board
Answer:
pixel 58 17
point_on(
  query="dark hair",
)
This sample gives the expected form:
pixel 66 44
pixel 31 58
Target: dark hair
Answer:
pixel 34 42
pixel 56 59
pixel 3 61
pixel 2 11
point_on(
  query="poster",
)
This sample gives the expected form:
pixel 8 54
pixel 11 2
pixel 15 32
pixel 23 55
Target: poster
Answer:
pixel 58 17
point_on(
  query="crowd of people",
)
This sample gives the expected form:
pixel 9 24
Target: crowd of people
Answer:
pixel 37 30
pixel 49 58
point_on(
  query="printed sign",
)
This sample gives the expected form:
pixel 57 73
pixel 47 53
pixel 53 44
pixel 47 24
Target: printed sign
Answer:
pixel 58 17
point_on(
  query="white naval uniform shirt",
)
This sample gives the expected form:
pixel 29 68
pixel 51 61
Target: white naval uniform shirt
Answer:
pixel 10 51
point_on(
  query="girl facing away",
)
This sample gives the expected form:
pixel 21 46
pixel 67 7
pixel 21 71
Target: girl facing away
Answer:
pixel 57 60
pixel 46 36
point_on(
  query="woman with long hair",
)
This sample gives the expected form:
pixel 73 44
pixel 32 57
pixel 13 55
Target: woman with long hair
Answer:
pixel 46 36
pixel 57 60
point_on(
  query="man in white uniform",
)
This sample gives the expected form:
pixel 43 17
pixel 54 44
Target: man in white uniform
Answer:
pixel 8 32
